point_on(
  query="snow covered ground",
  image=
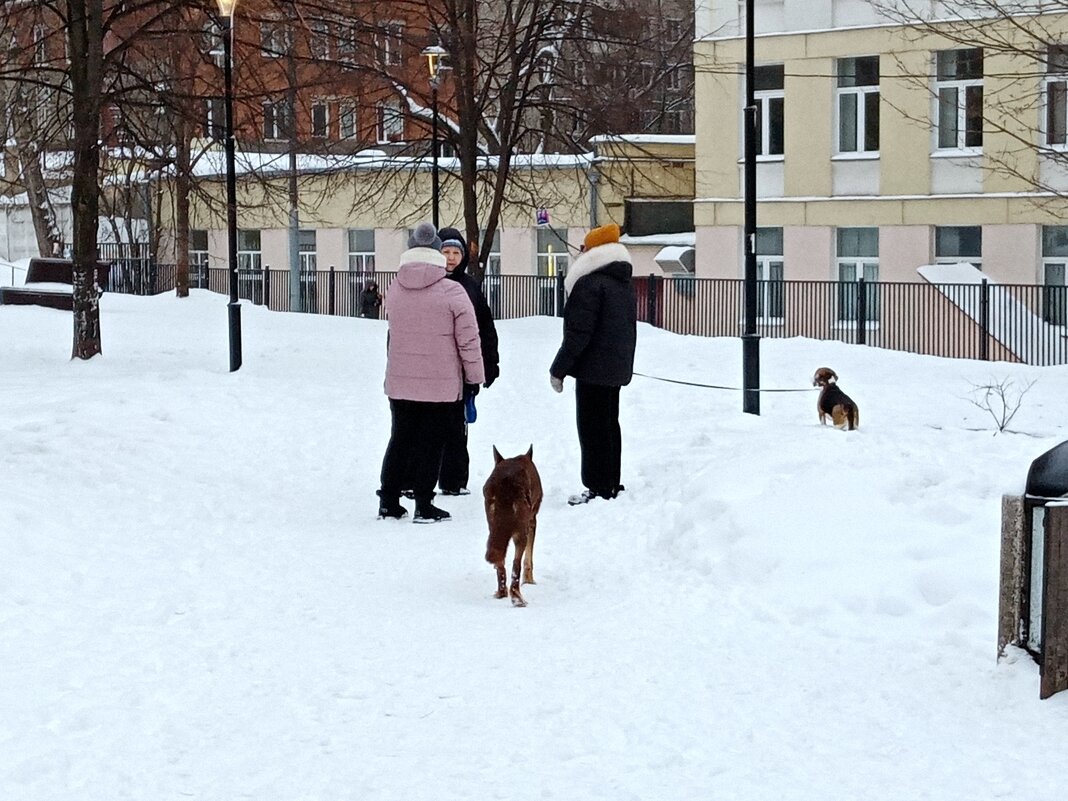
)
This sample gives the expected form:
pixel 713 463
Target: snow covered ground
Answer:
pixel 196 600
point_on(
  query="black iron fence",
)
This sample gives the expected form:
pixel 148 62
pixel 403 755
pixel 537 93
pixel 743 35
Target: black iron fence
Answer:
pixel 1006 322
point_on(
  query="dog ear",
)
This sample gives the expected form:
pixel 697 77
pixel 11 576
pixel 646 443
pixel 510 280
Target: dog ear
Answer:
pixel 497 458
pixel 530 451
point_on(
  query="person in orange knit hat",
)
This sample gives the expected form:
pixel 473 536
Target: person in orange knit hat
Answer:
pixel 600 333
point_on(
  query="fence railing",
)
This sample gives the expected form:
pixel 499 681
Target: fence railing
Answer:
pixel 1007 322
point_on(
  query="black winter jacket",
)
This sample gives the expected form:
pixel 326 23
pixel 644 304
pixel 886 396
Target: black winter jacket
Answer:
pixel 487 331
pixel 600 319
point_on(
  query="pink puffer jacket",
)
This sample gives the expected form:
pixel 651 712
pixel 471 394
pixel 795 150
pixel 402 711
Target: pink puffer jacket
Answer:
pixel 433 334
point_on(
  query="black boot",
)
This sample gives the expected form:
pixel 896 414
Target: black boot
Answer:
pixel 390 507
pixel 426 512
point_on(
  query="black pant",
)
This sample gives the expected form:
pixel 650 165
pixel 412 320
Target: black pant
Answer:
pixel 455 461
pixel 597 413
pixel 414 450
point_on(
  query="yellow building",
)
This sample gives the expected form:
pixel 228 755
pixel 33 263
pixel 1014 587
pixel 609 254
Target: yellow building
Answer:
pixel 355 213
pixel 884 144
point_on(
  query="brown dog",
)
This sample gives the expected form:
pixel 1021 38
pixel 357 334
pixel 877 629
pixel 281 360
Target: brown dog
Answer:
pixel 513 497
pixel 833 402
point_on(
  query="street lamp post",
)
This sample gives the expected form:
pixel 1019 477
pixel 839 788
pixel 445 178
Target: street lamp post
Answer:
pixel 434 54
pixel 226 11
pixel 750 338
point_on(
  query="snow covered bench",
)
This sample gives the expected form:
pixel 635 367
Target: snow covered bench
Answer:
pixel 49 282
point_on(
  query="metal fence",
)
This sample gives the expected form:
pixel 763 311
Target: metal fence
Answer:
pixel 1007 322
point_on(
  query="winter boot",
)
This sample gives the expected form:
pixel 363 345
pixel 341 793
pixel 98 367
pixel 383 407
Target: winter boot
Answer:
pixel 426 512
pixel 390 507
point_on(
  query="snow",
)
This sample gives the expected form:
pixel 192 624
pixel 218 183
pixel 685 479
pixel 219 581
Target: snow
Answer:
pixel 196 600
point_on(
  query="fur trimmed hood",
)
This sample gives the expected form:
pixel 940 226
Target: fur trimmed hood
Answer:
pixel 593 260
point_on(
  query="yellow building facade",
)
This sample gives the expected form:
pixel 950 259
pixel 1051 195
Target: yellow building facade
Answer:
pixel 884 144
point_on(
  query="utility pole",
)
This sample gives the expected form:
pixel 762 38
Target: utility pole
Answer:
pixel 750 338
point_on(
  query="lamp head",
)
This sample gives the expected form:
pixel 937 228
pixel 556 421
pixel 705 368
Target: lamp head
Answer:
pixel 226 7
pixel 434 54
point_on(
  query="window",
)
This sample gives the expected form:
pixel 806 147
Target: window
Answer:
pixel 362 250
pixel 346 44
pixel 674 78
pixel 215 118
pixel 306 250
pixel 274 39
pixel 1054 261
pixel 40 45
pixel 389 41
pixel 959 86
pixel 276 120
pixel 248 250
pixel 198 258
pixel 320 114
pixel 319 43
pixel 493 261
pixel 552 251
pixel 347 120
pixel 1057 95
pixel 212 41
pixel 959 243
pixel 858 105
pixel 857 257
pixel 769 274
pixel 390 121
pixel 771 105
pixel 249 266
pixel 309 296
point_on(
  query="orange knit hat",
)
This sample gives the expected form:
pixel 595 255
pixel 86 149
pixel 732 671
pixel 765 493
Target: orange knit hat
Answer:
pixel 601 236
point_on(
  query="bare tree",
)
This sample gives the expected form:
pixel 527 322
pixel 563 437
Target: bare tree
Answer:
pixel 1020 43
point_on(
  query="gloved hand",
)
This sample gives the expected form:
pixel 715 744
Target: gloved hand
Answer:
pixel 489 382
pixel 558 383
pixel 470 389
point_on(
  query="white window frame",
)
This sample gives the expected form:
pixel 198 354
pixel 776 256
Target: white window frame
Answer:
pixel 554 258
pixel 361 261
pixel 275 39
pixel 199 258
pixel 347 120
pixel 860 95
pixel 766 266
pixel 346 43
pixel 320 128
pixel 963 93
pixel 215 129
pixel 850 269
pixel 276 114
pixel 764 98
pixel 1055 131
pixel 390 123
pixel 390 43
pixel 319 39
pixel 307 256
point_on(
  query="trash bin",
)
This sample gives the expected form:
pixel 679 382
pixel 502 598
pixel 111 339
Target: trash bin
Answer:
pixel 1033 611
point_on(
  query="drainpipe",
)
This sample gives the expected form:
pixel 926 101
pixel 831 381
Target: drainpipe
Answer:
pixel 594 178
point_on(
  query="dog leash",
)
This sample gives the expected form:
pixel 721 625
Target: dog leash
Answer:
pixel 717 386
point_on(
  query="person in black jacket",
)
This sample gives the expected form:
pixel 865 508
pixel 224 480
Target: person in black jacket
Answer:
pixel 455 461
pixel 370 300
pixel 600 332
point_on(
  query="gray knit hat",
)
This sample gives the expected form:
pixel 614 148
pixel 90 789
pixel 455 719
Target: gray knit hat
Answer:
pixel 424 235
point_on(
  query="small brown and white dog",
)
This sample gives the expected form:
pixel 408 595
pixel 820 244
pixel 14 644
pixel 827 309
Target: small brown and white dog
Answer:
pixel 833 402
pixel 513 497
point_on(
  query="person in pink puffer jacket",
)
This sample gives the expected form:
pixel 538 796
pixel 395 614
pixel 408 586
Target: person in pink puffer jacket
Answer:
pixel 433 350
